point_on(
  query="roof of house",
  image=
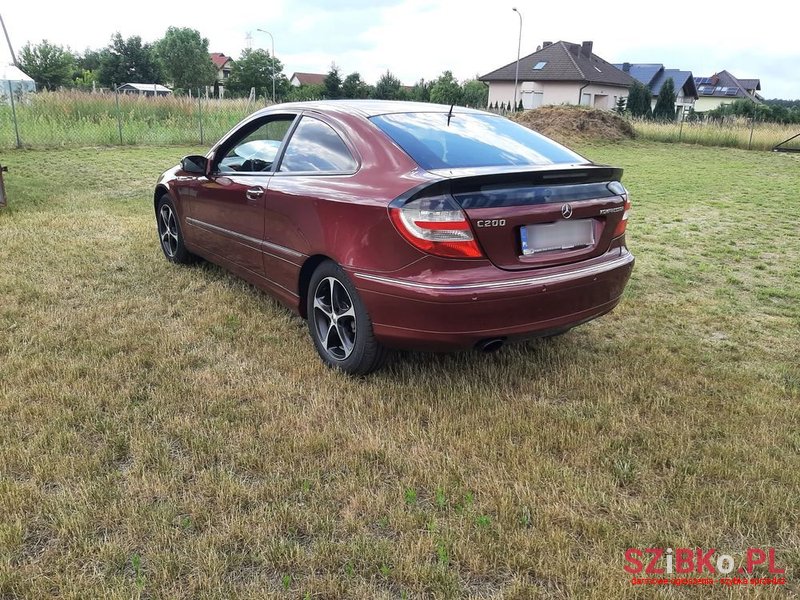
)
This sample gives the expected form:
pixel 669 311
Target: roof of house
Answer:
pixel 146 87
pixel 562 61
pixel 309 78
pixel 725 85
pixel 12 73
pixel 219 59
pixel 654 75
pixel 751 84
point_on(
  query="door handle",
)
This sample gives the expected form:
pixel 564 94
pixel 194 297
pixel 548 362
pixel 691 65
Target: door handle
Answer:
pixel 254 193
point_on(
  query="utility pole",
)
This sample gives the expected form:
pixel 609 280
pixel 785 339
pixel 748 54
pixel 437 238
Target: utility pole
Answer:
pixel 516 73
pixel 8 41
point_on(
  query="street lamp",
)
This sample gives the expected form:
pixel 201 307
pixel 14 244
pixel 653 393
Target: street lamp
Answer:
pixel 273 60
pixel 519 45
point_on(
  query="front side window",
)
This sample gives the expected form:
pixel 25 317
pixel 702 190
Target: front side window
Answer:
pixel 255 150
pixel 316 148
pixel 439 141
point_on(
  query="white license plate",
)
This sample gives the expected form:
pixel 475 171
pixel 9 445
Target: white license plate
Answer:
pixel 561 235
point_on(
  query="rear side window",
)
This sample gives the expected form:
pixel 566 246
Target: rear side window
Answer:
pixel 470 141
pixel 316 147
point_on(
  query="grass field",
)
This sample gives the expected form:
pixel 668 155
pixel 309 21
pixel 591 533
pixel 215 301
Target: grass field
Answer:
pixel 169 432
pixel 73 118
pixel 733 133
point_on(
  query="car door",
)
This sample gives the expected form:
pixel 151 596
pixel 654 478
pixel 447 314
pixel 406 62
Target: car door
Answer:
pixel 314 174
pixel 227 211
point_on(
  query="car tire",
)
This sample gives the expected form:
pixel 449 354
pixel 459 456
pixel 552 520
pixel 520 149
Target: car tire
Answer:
pixel 339 323
pixel 170 235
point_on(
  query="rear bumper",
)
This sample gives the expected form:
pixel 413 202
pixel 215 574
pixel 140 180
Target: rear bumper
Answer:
pixel 414 313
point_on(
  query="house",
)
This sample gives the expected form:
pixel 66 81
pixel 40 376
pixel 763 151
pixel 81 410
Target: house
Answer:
pixel 723 88
pixel 144 89
pixel 224 65
pixel 14 79
pixel 560 73
pixel 299 79
pixel 654 75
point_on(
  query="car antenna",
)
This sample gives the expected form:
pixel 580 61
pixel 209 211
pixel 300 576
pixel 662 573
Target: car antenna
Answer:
pixel 450 114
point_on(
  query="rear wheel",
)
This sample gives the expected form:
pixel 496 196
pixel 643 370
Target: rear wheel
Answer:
pixel 339 323
pixel 170 234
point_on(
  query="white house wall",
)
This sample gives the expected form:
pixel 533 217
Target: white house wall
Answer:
pixel 704 103
pixel 554 93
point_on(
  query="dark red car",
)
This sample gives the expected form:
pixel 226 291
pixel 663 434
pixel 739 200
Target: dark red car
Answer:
pixel 403 225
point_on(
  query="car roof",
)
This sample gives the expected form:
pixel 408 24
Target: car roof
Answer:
pixel 370 108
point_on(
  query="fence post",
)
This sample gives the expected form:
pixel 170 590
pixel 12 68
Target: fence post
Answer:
pixel 200 115
pixel 119 117
pixel 14 113
pixel 752 127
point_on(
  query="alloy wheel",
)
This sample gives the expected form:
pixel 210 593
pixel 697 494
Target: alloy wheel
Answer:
pixel 334 318
pixel 168 230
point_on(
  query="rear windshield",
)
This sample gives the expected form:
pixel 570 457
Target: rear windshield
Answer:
pixel 470 140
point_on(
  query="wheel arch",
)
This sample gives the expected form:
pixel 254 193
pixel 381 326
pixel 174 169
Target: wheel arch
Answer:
pixel 304 280
pixel 161 189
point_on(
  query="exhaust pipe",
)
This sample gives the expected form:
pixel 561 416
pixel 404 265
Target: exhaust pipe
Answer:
pixel 490 345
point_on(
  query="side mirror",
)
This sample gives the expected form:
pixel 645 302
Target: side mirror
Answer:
pixel 194 164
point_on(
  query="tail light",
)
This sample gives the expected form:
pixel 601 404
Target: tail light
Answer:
pixel 437 226
pixel 618 188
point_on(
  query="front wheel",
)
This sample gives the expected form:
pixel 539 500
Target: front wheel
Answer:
pixel 339 323
pixel 170 234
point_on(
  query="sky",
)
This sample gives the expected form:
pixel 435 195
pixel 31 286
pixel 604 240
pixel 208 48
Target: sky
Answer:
pixel 421 38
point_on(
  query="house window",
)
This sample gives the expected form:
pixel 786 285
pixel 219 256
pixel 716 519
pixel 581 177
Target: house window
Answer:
pixel 539 66
pixel 586 99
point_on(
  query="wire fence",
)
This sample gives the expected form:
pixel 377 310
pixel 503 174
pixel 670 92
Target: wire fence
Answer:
pixel 73 118
pixel 734 132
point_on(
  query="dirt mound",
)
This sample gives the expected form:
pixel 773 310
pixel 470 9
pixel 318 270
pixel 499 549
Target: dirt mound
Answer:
pixel 570 123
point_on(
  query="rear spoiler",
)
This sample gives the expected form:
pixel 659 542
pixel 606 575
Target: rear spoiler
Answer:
pixel 584 181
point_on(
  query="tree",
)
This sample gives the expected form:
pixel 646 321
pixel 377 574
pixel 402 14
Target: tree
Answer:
pixel 520 107
pixel 421 92
pixel 84 80
pixel 445 90
pixel 183 52
pixel 85 68
pixel 354 87
pixel 333 83
pixel 89 60
pixel 128 61
pixel 620 106
pixel 388 88
pixel 254 69
pixel 665 104
pixel 639 100
pixel 475 93
pixel 305 92
pixel 48 64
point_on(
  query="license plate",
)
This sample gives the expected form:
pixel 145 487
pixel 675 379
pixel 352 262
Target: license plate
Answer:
pixel 561 235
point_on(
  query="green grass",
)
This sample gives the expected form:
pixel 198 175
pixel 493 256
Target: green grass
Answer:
pixel 733 133
pixel 53 119
pixel 169 432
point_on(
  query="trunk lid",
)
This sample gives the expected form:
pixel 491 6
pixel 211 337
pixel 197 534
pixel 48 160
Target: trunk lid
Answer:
pixel 540 217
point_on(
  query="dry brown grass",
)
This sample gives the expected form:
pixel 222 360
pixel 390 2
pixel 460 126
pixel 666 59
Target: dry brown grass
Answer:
pixel 169 432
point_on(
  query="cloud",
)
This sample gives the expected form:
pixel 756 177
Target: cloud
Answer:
pixel 422 38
